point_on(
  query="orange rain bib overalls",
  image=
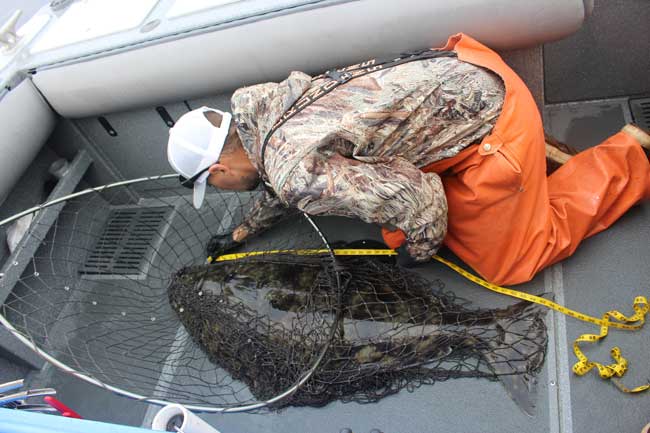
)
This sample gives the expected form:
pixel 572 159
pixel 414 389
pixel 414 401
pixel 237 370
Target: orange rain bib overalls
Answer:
pixel 506 219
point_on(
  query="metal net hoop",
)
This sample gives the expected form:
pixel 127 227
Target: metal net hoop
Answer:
pixel 92 299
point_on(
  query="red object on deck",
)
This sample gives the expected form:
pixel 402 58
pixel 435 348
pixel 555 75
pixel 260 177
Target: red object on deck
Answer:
pixel 65 410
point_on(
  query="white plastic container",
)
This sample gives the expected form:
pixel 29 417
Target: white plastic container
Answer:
pixel 176 418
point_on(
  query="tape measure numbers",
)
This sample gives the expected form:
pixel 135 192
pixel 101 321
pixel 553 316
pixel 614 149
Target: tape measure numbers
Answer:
pixel 546 302
pixel 306 252
pixel 581 367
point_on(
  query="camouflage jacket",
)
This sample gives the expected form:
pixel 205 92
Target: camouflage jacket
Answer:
pixel 357 151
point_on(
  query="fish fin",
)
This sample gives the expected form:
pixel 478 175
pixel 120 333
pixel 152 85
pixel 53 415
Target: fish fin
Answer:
pixel 517 352
pixel 522 389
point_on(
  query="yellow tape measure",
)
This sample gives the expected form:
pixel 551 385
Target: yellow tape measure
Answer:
pixel 583 366
pixel 303 252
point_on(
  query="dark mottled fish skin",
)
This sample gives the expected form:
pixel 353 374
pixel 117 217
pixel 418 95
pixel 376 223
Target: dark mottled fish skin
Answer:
pixel 381 329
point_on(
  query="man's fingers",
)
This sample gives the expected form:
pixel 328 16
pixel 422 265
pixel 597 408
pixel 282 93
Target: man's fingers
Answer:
pixel 239 234
pixel 404 259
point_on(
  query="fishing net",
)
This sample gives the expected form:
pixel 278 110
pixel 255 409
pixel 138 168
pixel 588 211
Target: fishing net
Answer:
pixel 394 329
pixel 120 294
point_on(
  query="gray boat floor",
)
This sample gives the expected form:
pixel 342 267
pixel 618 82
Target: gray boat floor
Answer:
pixel 607 272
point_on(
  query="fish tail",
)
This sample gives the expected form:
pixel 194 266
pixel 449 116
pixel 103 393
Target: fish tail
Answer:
pixel 515 351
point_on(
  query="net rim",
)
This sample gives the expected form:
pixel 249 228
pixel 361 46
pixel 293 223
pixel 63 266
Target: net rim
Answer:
pixel 163 402
pixel 81 194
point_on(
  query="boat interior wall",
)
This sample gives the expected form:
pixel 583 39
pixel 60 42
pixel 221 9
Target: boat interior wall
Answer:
pixel 137 147
pixel 238 53
pixel 27 122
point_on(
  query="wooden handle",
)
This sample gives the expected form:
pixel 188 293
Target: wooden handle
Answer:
pixel 639 135
pixel 556 155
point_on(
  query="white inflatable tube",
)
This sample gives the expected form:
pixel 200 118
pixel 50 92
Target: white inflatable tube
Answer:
pixel 226 57
pixel 27 122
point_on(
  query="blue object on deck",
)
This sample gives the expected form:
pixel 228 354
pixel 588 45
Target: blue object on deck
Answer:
pixel 16 421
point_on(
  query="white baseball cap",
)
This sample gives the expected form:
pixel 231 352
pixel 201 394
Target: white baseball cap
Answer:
pixel 194 145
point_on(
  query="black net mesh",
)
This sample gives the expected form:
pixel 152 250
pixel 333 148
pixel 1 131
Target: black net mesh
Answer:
pixel 261 317
pixel 95 294
pixel 119 291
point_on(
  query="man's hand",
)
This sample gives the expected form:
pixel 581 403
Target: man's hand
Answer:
pixel 240 234
pixel 220 244
pixel 404 259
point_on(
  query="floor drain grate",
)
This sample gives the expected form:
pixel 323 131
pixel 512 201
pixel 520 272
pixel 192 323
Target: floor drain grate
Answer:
pixel 641 112
pixel 125 245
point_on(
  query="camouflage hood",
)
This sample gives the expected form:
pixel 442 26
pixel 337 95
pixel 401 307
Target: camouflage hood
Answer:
pixel 358 150
pixel 257 108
